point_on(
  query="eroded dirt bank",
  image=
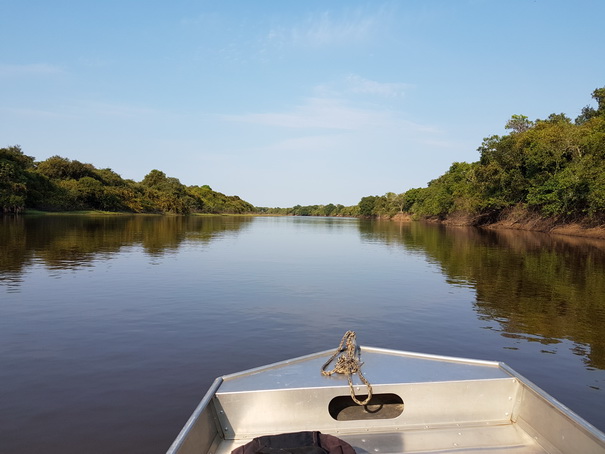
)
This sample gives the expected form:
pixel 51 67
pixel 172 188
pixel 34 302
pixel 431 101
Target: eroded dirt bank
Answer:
pixel 517 219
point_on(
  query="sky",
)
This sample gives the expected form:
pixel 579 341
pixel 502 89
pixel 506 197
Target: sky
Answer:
pixel 289 103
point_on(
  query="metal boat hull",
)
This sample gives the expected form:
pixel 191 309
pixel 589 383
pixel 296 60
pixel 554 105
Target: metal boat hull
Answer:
pixel 422 404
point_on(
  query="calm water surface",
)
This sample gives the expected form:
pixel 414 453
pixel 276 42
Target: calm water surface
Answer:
pixel 112 328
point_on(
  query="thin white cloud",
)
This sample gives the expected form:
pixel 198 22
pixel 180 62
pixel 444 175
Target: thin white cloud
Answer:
pixel 358 84
pixel 317 113
pixel 327 29
pixel 310 145
pixel 33 69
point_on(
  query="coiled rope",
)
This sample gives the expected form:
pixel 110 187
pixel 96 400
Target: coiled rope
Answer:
pixel 348 363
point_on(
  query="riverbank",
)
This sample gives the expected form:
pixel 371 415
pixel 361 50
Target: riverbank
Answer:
pixel 516 219
pixel 534 223
pixel 120 213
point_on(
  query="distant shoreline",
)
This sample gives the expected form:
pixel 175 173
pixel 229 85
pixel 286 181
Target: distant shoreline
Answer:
pixel 511 220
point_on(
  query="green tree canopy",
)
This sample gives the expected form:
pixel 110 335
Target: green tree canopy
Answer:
pixel 552 167
pixel 14 167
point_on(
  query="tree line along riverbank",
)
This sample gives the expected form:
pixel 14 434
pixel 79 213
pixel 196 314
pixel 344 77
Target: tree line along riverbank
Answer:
pixel 552 168
pixel 546 175
pixel 62 184
pixel 542 175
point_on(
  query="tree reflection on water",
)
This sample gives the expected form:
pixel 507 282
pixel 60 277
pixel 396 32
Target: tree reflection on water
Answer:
pixel 537 287
pixel 72 241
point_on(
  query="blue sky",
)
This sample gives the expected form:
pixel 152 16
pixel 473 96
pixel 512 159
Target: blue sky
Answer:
pixel 289 102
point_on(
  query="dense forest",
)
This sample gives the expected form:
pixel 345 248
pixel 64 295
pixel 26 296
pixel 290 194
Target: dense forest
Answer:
pixel 61 184
pixel 554 168
pixel 313 210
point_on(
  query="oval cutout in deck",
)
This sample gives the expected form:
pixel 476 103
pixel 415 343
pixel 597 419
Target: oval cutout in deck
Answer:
pixel 381 406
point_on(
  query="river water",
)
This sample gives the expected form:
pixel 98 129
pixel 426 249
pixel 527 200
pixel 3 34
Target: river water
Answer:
pixel 113 327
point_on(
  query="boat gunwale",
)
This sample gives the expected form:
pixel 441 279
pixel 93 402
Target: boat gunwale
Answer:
pixel 380 386
pixel 582 423
pixel 182 436
pixel 363 348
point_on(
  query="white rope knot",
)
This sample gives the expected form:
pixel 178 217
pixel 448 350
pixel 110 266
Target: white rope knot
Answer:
pixel 348 363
